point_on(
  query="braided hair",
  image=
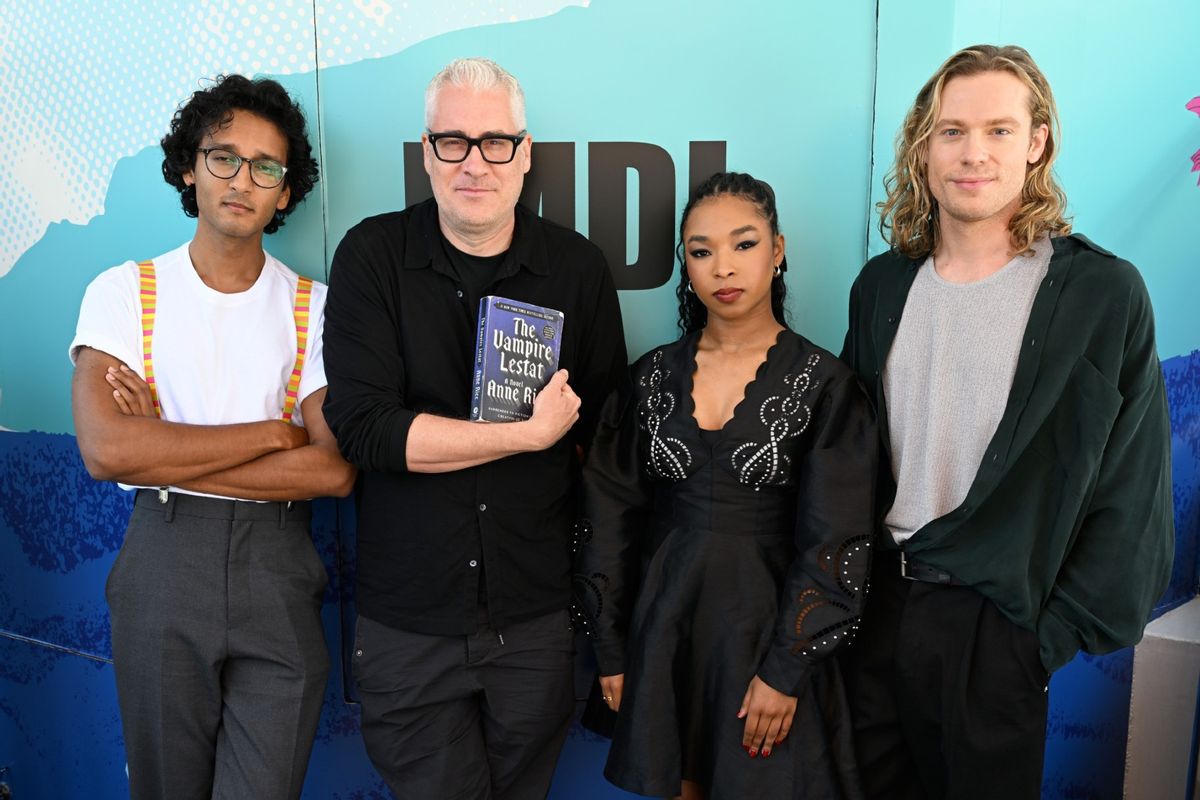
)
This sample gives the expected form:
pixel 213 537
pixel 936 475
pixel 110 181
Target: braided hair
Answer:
pixel 692 314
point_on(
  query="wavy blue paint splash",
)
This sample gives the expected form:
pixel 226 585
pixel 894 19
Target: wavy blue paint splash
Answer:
pixel 61 517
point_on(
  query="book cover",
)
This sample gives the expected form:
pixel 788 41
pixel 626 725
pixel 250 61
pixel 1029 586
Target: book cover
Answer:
pixel 516 353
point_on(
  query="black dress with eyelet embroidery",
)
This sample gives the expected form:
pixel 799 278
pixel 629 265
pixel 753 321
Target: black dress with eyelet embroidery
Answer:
pixel 706 558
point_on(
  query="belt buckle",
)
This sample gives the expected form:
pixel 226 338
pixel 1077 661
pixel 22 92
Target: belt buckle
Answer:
pixel 904 567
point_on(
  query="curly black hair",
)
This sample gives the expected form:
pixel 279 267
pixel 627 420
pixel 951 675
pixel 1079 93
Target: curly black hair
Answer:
pixel 212 108
pixel 692 314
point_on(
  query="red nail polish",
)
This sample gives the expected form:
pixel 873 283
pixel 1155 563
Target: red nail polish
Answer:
pixel 746 747
pixel 753 752
pixel 766 754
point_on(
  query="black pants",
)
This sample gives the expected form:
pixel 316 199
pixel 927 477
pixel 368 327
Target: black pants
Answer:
pixel 467 717
pixel 948 696
pixel 218 648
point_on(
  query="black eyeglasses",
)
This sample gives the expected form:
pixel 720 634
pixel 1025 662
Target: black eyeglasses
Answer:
pixel 453 148
pixel 223 164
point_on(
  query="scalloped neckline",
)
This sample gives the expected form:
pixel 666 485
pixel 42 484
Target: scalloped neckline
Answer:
pixel 690 384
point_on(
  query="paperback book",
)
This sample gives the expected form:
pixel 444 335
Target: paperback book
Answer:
pixel 516 353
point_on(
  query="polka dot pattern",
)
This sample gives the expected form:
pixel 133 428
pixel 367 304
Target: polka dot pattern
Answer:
pixel 83 85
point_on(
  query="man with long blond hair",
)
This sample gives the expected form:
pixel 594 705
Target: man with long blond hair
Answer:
pixel 1027 514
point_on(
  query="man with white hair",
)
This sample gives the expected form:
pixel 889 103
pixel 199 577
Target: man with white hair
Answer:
pixel 463 647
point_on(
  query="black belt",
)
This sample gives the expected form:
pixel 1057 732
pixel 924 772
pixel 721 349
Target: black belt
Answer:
pixel 914 570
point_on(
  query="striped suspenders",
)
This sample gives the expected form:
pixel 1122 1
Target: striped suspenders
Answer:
pixel 300 307
pixel 300 314
pixel 149 296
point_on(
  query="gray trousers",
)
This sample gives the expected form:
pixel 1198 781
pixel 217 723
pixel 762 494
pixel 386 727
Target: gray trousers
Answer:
pixel 218 648
pixel 466 717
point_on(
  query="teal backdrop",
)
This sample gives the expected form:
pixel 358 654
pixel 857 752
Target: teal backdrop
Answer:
pixel 628 101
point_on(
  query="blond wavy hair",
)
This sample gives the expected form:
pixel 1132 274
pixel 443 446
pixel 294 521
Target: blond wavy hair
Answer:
pixel 908 218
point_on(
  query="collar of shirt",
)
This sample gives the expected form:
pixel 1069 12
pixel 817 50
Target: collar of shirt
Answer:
pixel 527 250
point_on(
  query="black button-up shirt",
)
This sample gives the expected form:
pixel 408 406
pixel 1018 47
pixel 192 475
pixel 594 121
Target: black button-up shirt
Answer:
pixel 1068 524
pixel 400 341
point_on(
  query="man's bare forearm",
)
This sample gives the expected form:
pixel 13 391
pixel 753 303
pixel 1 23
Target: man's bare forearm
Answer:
pixel 316 470
pixel 439 444
pixel 300 474
pixel 152 452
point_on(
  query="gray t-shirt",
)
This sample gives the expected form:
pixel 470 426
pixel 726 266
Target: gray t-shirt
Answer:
pixel 947 379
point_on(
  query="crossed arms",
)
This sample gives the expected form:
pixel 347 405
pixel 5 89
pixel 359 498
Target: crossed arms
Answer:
pixel 121 439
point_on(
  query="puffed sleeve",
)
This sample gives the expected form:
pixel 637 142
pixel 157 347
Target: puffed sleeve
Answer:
pixel 826 584
pixel 617 498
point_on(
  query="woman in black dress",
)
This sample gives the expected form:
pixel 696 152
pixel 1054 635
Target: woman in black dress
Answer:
pixel 726 536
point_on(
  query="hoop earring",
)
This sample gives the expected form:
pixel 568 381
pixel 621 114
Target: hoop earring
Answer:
pixel 689 287
pixel 778 271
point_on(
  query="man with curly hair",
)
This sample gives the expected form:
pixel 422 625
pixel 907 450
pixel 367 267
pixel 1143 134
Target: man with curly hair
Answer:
pixel 199 379
pixel 1027 515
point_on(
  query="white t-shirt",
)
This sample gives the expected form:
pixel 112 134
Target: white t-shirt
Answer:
pixel 219 359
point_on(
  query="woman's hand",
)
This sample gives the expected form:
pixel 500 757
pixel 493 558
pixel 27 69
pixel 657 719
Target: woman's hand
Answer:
pixel 768 716
pixel 611 687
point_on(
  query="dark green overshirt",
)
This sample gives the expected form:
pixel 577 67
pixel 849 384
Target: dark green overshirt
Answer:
pixel 1068 523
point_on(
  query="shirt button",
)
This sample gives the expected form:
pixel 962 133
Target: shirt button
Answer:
pixel 483 506
pixel 1033 342
pixel 459 293
pixel 474 563
pixel 891 320
pixel 994 457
